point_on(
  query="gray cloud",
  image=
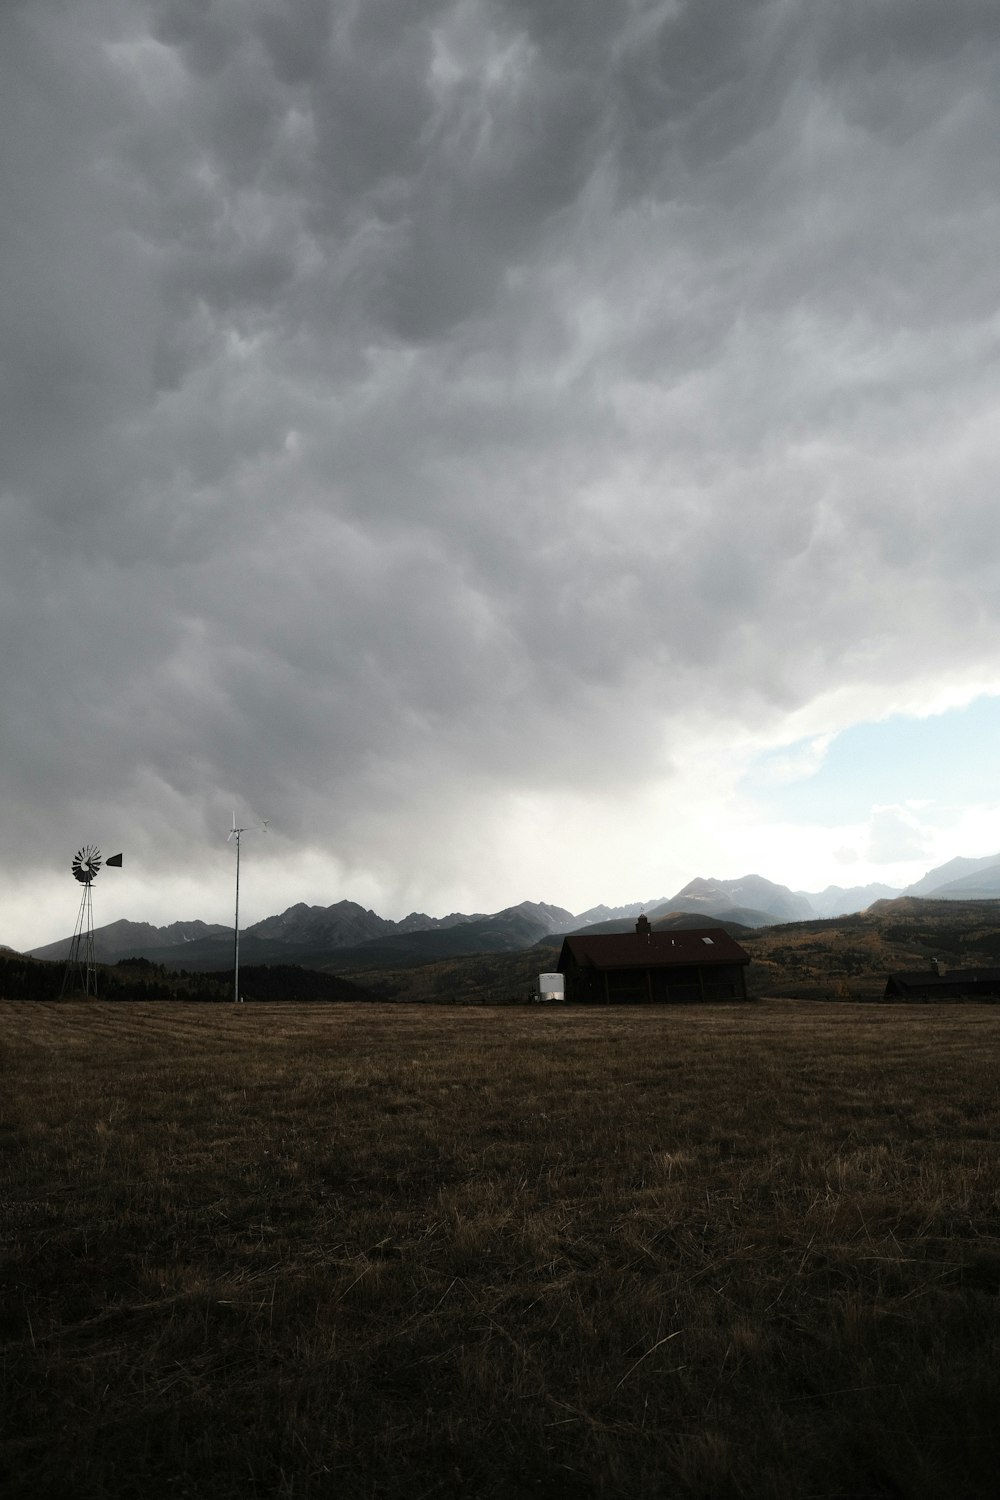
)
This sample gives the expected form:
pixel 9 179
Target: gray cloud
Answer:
pixel 407 406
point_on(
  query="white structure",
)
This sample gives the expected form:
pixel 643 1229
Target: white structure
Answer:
pixel 550 987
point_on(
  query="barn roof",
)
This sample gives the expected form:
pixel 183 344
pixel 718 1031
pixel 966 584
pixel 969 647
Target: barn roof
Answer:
pixel 652 950
pixel 929 981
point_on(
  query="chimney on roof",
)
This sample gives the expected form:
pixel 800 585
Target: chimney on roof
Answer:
pixel 938 967
pixel 642 927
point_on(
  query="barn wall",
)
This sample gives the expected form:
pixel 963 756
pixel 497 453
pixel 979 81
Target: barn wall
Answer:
pixel 677 985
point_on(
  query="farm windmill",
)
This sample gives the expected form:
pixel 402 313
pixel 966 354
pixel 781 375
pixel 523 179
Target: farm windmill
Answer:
pixel 81 960
pixel 237 834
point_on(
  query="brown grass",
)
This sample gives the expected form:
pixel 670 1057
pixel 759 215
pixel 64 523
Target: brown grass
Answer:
pixel 366 1251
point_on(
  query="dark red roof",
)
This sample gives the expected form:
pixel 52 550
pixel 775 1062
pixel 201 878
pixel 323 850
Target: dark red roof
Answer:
pixel 655 950
pixel 929 982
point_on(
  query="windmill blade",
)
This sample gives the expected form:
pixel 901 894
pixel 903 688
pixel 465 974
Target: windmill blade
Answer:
pixel 86 863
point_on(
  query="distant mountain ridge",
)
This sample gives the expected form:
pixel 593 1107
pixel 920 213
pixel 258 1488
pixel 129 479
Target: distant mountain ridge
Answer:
pixel 835 901
pixel 947 874
pixel 312 934
pixel 617 913
pixel 751 893
pixel 347 933
pixel 124 939
pixel 346 923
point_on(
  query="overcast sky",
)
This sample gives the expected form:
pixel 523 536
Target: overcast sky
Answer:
pixel 539 449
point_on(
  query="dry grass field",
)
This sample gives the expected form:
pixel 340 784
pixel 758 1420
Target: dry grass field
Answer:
pixel 374 1251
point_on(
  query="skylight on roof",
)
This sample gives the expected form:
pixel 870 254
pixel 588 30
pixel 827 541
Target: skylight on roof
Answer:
pixel 708 940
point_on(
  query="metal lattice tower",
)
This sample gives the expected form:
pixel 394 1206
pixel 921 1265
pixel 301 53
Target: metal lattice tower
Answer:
pixel 82 961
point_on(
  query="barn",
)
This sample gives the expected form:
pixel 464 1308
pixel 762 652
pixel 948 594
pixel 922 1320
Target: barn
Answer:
pixel 932 984
pixel 676 966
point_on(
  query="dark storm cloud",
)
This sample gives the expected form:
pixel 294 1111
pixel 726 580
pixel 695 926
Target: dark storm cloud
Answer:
pixel 401 398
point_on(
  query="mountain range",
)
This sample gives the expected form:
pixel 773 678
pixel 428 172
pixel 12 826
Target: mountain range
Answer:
pixel 348 937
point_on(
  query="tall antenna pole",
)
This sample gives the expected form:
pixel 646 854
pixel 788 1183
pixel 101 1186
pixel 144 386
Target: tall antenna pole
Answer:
pixel 236 833
pixel 236 954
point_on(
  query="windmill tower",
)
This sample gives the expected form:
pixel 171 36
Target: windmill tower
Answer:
pixel 82 962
